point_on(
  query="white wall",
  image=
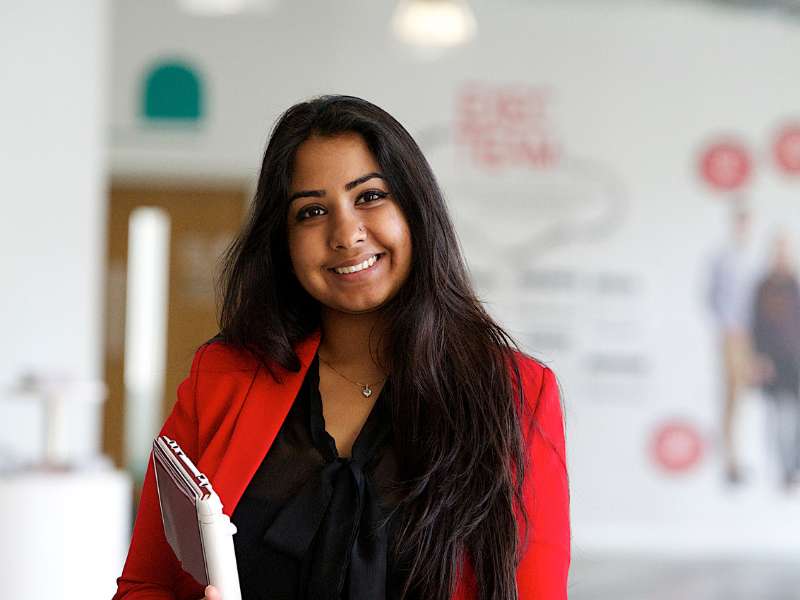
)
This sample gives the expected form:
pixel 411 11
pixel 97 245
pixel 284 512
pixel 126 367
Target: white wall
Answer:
pixel 637 89
pixel 52 157
pixel 53 172
pixel 52 198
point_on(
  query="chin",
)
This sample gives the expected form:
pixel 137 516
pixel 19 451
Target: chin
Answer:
pixel 354 308
pixel 361 309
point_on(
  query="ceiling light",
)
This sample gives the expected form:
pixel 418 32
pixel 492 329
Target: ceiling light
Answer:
pixel 434 23
pixel 219 8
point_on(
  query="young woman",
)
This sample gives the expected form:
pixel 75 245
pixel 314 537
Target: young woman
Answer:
pixel 372 432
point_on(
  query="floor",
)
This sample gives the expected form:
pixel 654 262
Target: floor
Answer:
pixel 639 579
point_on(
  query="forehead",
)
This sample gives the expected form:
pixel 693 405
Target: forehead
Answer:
pixel 323 161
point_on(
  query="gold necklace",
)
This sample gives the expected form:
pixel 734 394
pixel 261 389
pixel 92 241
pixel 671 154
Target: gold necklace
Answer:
pixel 366 388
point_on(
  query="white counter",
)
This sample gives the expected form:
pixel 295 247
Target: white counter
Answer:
pixel 63 535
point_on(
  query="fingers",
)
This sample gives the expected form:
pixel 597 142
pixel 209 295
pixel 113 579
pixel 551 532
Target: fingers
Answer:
pixel 211 593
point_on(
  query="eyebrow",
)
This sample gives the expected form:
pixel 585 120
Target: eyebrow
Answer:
pixel 347 187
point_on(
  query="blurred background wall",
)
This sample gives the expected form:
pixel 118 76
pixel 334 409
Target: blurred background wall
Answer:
pixel 53 160
pixel 595 156
pixel 64 516
pixel 568 138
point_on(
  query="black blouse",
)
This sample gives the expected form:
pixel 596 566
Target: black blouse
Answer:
pixel 312 524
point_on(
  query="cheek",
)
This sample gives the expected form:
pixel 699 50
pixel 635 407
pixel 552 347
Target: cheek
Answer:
pixel 301 258
pixel 404 239
pixel 399 233
pixel 402 247
pixel 407 246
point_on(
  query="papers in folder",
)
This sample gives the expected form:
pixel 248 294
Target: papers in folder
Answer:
pixel 200 534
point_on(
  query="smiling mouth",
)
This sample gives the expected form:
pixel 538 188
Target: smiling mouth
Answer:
pixel 370 262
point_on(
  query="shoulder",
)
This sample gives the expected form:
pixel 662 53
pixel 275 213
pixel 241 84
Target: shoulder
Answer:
pixel 218 356
pixel 537 379
pixel 220 379
pixel 542 413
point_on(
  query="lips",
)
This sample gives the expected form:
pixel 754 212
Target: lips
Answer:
pixel 356 265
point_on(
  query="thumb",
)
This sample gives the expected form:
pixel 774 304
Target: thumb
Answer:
pixel 211 593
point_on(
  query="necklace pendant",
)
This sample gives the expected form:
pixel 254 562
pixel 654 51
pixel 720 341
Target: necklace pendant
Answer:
pixel 367 391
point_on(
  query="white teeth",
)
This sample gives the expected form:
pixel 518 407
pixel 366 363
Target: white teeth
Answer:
pixel 360 267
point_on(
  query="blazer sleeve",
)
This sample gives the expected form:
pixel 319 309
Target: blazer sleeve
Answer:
pixel 151 571
pixel 542 572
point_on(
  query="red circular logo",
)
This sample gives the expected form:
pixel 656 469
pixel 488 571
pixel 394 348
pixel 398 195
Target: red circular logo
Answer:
pixel 677 446
pixel 787 148
pixel 726 165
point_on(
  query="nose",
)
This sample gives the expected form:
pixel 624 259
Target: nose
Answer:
pixel 347 230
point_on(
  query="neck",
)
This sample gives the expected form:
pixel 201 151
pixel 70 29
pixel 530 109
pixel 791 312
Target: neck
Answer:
pixel 354 342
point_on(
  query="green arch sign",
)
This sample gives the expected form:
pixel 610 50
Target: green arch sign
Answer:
pixel 173 90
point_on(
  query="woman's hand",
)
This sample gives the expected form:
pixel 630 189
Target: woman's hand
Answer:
pixel 211 593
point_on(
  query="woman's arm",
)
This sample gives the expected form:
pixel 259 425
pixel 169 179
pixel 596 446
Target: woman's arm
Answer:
pixel 151 570
pixel 543 570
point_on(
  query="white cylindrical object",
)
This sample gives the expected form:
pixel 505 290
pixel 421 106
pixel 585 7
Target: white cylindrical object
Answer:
pixel 217 532
pixel 56 447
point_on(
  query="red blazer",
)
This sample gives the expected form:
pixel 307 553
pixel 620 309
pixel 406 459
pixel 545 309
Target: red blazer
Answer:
pixel 227 415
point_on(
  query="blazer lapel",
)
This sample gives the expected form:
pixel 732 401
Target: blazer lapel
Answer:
pixel 265 408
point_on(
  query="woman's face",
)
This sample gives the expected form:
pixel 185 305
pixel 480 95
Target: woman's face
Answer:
pixel 349 242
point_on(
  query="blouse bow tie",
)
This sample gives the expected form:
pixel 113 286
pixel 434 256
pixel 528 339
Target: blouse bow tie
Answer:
pixel 338 505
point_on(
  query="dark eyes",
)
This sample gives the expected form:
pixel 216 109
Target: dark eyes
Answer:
pixel 372 195
pixel 309 211
pixel 315 210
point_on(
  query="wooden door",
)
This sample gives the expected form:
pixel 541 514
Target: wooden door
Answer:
pixel 203 221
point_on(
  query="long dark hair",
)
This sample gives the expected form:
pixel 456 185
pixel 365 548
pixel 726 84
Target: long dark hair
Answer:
pixel 456 411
